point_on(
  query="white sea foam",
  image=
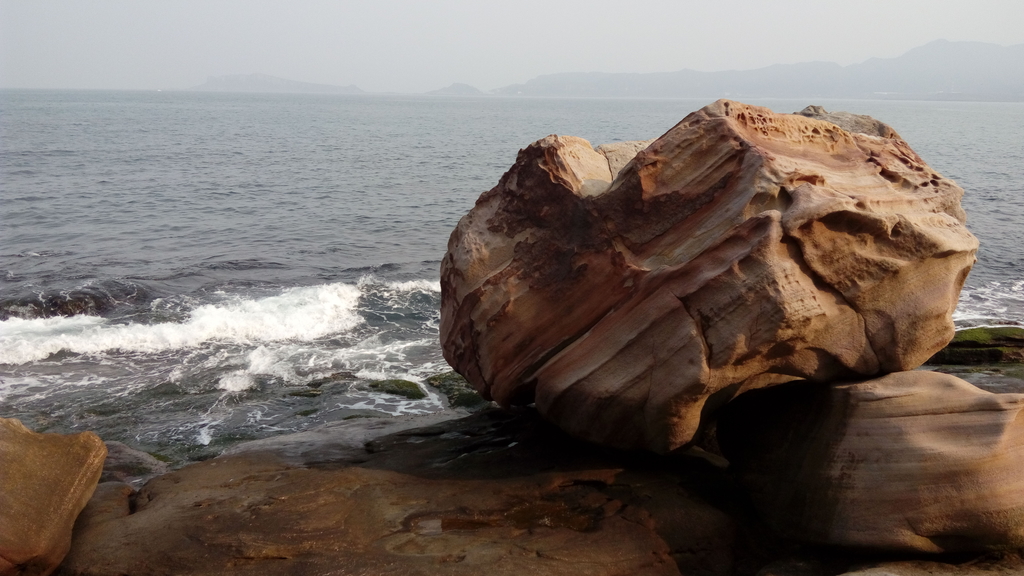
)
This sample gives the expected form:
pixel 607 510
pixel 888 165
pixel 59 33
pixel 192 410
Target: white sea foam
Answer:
pixel 236 381
pixel 416 286
pixel 301 314
pixel 991 303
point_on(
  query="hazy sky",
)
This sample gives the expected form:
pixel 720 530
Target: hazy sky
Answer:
pixel 415 46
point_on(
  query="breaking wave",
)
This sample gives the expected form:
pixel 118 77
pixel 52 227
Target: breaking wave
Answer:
pixel 301 314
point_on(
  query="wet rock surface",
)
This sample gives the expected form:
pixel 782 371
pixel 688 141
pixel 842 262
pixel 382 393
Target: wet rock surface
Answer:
pixel 458 391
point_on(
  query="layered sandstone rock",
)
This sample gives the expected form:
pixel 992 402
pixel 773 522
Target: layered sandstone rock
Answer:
pixel 916 461
pixel 495 493
pixel 740 250
pixel 45 481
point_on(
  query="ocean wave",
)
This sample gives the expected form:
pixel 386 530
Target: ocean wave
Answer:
pixel 302 314
pixel 992 303
pixel 371 281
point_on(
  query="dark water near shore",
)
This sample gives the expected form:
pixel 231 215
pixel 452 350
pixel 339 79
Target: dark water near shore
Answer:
pixel 175 267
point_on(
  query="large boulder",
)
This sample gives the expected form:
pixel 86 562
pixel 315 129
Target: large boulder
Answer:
pixel 914 461
pixel 45 481
pixel 741 249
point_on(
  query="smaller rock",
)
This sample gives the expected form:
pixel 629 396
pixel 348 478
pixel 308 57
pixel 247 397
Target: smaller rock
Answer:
pixel 983 346
pixel 45 481
pixel 130 466
pixel 335 377
pixel 913 461
pixel 306 393
pixel 458 391
pixel 621 153
pixel 398 387
pixel 857 123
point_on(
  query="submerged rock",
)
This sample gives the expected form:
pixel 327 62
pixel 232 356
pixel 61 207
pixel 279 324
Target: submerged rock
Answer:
pixel 398 387
pixel 45 481
pixel 913 461
pixel 740 250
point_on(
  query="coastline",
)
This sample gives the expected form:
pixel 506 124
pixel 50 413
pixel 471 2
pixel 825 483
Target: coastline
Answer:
pixel 453 492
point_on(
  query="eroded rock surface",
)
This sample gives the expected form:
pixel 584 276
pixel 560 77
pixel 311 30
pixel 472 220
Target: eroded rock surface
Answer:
pixel 45 481
pixel 494 493
pixel 740 250
pixel 851 122
pixel 913 461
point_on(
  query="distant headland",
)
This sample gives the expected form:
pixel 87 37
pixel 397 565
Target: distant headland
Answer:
pixel 269 84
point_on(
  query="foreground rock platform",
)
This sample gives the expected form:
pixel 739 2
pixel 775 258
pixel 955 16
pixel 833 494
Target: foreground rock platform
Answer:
pixel 45 481
pixel 495 493
pixel 913 461
pixel 742 249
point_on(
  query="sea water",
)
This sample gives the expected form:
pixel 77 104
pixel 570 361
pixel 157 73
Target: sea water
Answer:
pixel 177 269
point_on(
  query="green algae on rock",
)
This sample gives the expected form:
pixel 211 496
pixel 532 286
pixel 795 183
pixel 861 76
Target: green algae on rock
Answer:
pixel 398 387
pixel 459 392
pixel 986 345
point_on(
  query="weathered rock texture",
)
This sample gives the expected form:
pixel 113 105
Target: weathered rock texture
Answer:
pixel 742 249
pixel 916 461
pixel 495 493
pixel 851 122
pixel 45 481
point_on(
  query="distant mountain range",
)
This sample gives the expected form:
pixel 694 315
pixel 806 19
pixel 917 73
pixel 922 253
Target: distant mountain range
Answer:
pixel 940 70
pixel 271 84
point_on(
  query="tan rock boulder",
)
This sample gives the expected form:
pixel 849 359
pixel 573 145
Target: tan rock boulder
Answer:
pixel 916 461
pixel 741 249
pixel 45 481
